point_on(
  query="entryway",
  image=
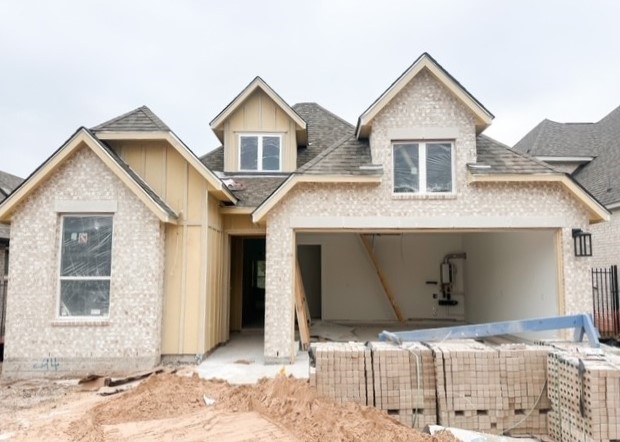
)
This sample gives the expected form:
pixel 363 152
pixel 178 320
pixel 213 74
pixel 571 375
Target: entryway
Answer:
pixel 247 283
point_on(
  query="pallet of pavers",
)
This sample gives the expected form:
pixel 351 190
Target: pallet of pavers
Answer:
pixel 584 390
pixel 523 375
pixel 404 382
pixel 342 371
pixel 468 385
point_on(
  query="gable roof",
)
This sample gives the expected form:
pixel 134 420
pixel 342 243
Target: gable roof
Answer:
pixel 257 83
pixel 141 119
pixel 424 61
pixel 600 140
pixel 143 124
pixel 80 138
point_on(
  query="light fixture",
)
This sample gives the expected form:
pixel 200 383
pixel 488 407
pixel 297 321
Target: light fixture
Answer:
pixel 582 242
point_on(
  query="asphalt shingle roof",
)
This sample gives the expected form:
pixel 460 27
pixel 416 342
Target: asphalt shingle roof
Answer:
pixel 345 157
pixel 601 140
pixel 141 119
pixel 504 160
pixel 8 183
pixel 253 190
pixel 214 160
pixel 324 129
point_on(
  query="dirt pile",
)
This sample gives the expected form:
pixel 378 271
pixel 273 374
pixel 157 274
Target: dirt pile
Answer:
pixel 290 405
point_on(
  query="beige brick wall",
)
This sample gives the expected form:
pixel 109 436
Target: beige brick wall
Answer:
pixel 424 102
pixel 37 344
pixel 606 241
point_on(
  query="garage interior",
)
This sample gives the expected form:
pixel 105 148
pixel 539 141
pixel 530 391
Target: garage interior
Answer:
pixel 430 279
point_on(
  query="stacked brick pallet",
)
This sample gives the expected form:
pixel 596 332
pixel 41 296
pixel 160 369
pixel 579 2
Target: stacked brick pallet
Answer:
pixel 523 373
pixel 468 385
pixel 404 383
pixel 585 397
pixel 343 372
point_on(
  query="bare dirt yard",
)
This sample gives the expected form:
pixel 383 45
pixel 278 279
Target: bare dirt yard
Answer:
pixel 171 406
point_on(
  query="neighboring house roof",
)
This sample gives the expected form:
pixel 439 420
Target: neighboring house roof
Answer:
pixel 141 119
pixel 424 61
pixel 8 183
pixel 600 140
pixel 257 83
pixel 85 137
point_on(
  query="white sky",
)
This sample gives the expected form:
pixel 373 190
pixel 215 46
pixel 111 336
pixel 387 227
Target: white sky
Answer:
pixel 65 64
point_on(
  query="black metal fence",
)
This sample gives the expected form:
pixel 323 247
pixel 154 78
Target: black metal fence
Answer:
pixel 605 300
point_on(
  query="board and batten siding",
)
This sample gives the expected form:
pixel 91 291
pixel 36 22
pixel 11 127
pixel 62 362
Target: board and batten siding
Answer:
pixel 193 291
pixel 259 114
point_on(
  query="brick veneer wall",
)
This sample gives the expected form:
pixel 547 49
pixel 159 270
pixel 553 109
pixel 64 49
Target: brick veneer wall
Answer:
pixel 606 241
pixel 37 343
pixel 422 103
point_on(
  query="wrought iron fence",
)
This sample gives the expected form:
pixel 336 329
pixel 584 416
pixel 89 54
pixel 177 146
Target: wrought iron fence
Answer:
pixel 606 305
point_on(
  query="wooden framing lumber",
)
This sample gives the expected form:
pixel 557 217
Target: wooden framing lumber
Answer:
pixel 301 307
pixel 382 278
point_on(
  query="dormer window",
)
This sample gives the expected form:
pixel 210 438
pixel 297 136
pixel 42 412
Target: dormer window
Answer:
pixel 260 152
pixel 423 167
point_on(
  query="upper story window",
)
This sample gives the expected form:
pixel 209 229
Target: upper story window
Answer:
pixel 259 153
pixel 85 265
pixel 423 167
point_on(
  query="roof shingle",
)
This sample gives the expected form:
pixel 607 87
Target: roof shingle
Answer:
pixel 600 140
pixel 141 119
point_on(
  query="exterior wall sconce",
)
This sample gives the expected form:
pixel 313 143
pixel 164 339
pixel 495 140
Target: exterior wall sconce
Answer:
pixel 582 242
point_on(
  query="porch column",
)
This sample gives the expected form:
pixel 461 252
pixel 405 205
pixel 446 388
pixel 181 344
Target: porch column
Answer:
pixel 279 295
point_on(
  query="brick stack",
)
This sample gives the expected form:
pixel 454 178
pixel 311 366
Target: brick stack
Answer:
pixel 342 371
pixel 523 372
pixel 585 397
pixel 404 382
pixel 469 389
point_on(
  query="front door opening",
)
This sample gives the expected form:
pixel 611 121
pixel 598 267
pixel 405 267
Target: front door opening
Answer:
pixel 253 286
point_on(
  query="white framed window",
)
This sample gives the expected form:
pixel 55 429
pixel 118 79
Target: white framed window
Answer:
pixel 260 152
pixel 85 266
pixel 423 167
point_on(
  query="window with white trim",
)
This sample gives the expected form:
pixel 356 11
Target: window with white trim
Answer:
pixel 423 167
pixel 85 266
pixel 260 153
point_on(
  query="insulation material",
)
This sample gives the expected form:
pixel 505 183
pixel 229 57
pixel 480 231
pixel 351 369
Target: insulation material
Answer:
pixel 85 268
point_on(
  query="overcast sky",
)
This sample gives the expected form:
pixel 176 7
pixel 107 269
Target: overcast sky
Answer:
pixel 65 64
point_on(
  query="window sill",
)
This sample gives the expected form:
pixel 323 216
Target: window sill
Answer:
pixel 424 196
pixel 81 322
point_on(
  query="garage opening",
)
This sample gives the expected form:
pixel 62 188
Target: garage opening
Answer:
pixel 434 277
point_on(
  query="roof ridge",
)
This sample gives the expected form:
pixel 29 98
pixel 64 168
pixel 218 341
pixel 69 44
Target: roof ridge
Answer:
pixel 148 113
pixel 321 156
pixel 327 111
